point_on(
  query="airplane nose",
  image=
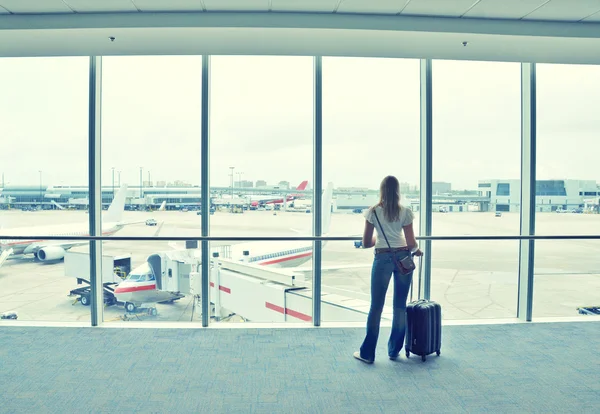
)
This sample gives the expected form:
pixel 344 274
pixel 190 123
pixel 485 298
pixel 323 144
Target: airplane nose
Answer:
pixel 120 288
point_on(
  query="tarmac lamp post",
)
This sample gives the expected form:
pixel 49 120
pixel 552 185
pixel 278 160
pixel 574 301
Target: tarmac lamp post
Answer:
pixel 141 184
pixel 231 202
pixel 40 171
pixel 240 179
pixel 149 185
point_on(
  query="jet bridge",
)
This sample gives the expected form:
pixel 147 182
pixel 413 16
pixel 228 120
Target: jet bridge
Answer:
pixel 255 292
pixel 263 294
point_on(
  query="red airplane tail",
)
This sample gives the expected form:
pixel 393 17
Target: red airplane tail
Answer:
pixel 302 185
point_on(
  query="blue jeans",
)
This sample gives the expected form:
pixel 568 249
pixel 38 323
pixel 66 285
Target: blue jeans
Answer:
pixel 381 273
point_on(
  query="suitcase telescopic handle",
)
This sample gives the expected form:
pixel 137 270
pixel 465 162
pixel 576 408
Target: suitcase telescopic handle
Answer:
pixel 420 273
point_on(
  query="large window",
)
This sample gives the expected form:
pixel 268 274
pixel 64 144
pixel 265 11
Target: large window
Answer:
pixel 370 130
pixel 43 129
pixel 151 123
pixel 261 135
pixel 566 274
pixel 476 148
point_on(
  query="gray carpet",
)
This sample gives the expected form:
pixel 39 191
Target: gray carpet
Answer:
pixel 494 368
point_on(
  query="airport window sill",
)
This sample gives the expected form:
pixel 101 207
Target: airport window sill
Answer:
pixel 251 325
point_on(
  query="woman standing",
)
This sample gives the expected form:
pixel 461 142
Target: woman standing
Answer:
pixel 394 222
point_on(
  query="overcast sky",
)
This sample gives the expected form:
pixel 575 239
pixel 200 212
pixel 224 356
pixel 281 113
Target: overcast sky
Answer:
pixel 262 120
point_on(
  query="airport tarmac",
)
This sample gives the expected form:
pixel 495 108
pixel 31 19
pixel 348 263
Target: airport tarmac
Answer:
pixel 470 279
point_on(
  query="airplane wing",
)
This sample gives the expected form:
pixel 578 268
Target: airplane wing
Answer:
pixel 5 255
pixel 156 233
pixel 66 245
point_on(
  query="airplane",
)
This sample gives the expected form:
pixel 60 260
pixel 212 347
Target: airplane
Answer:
pixel 54 250
pixel 144 283
pixel 255 201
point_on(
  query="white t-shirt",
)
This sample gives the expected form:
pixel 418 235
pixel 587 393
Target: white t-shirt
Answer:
pixel 393 229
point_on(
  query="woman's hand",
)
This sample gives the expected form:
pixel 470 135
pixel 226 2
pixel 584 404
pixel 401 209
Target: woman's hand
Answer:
pixel 418 252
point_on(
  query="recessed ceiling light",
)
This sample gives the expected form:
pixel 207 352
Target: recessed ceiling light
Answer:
pixel 112 38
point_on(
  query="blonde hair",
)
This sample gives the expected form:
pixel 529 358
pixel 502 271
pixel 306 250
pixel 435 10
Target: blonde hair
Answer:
pixel 389 198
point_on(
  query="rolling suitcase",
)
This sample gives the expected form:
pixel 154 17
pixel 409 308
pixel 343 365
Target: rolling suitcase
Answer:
pixel 423 325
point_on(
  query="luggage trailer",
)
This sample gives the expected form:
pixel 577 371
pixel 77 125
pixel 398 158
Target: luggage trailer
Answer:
pixel 84 293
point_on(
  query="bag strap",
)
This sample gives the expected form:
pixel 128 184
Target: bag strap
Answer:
pixel 381 228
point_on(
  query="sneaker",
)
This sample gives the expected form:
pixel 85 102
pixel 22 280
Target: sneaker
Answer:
pixel 357 356
pixel 394 357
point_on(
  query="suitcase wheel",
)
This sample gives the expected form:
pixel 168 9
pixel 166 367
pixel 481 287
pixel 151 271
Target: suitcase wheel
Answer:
pixel 423 358
pixel 438 352
pixel 408 354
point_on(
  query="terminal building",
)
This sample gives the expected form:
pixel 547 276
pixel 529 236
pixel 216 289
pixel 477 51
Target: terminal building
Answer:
pixel 568 195
pixel 57 197
pixel 551 195
pixel 138 198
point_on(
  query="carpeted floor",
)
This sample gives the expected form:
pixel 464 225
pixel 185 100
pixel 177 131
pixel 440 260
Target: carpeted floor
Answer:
pixel 545 367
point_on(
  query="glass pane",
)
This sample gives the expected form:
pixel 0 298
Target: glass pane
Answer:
pixel 261 166
pixel 370 130
pixel 151 125
pixel 44 129
pixel 346 281
pixel 148 281
pixel 567 193
pixel 479 287
pixel 370 110
pixel 151 121
pixel 566 277
pixel 476 147
pixel 474 279
pixel 261 142
pixel 261 281
pixel 566 118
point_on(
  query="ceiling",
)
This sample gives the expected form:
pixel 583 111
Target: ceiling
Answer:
pixel 550 10
pixel 557 31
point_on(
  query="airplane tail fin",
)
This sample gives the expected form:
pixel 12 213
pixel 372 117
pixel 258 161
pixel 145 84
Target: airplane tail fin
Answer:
pixel 302 186
pixel 326 212
pixel 115 210
pixel 163 206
